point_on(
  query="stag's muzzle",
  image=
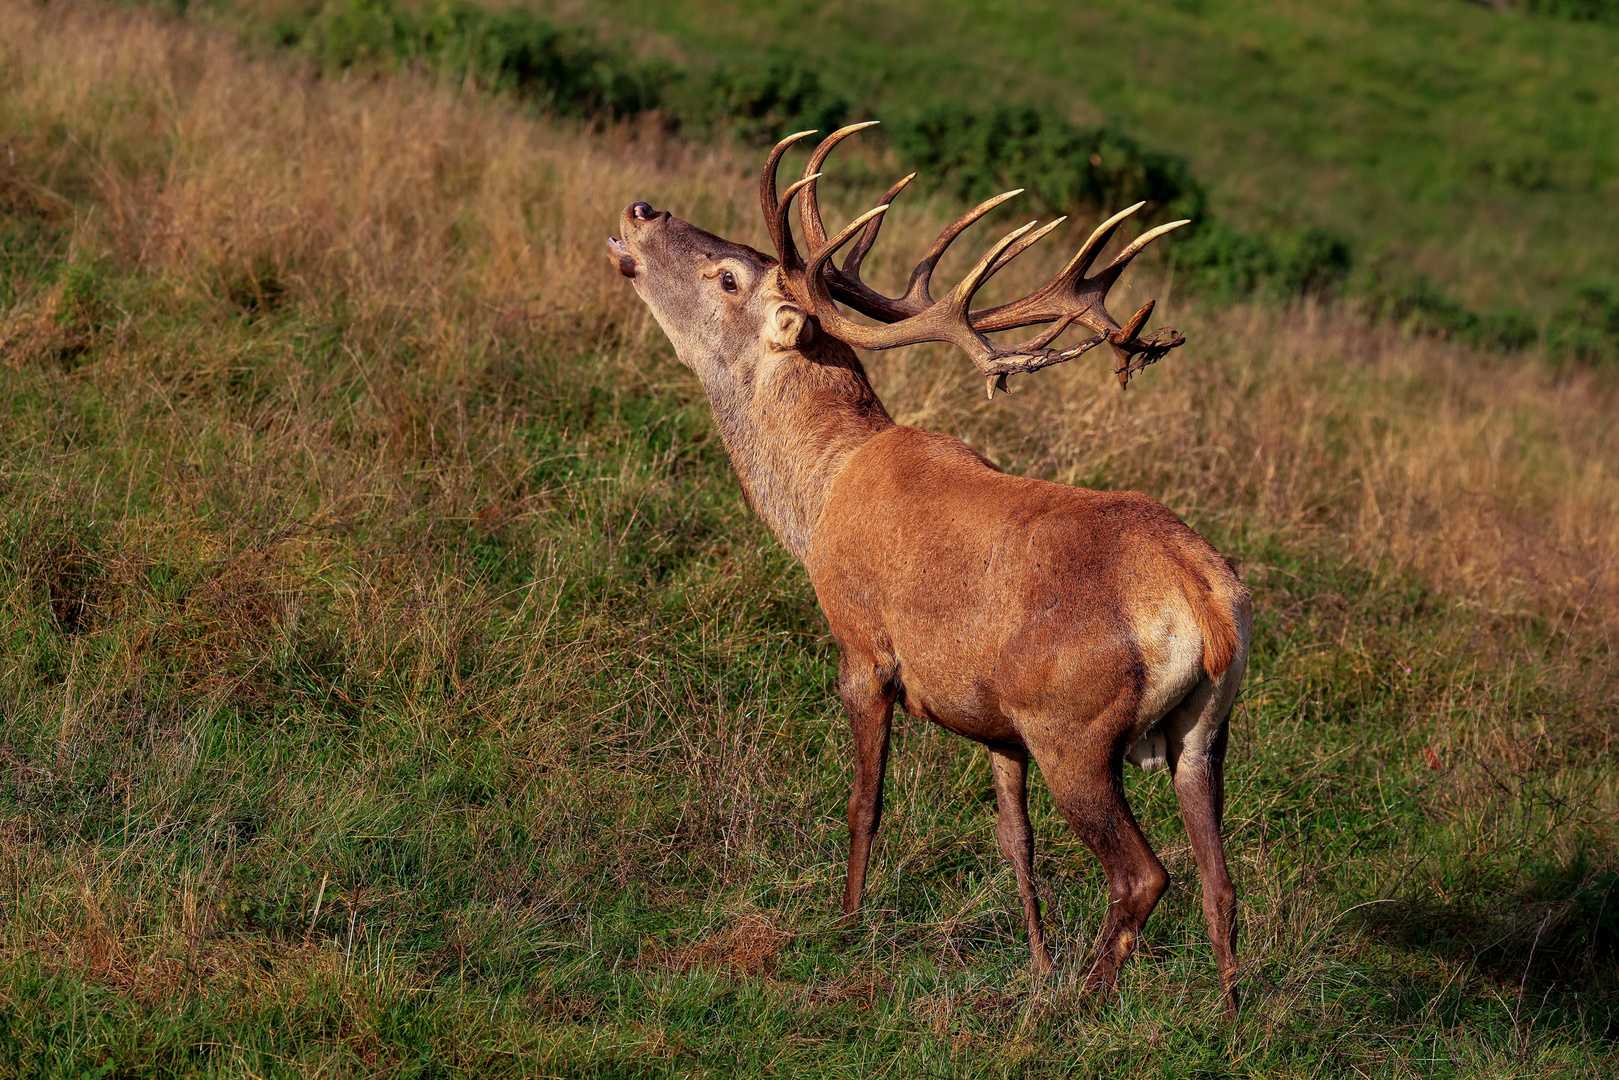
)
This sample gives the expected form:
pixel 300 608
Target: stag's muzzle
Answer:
pixel 635 215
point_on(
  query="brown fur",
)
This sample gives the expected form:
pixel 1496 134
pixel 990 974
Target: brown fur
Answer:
pixel 1036 618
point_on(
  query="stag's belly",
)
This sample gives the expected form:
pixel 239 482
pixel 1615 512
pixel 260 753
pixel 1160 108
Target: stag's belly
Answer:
pixel 1038 675
pixel 1009 610
pixel 1061 677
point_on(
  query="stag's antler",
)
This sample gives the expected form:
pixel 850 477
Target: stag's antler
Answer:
pixel 1068 298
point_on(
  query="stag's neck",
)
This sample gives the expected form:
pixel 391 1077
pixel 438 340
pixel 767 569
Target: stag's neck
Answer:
pixel 789 424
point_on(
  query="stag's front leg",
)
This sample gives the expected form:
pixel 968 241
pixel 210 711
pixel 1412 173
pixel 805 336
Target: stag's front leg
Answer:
pixel 868 697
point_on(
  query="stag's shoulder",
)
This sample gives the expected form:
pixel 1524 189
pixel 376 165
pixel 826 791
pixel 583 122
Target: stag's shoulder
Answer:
pixel 914 455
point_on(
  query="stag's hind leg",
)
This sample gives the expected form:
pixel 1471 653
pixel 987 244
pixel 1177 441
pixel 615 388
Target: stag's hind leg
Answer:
pixel 1011 767
pixel 1197 731
pixel 1087 782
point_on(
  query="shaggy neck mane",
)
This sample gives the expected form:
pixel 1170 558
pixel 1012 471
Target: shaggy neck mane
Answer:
pixel 790 428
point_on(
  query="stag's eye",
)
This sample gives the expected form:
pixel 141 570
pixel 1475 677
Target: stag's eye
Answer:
pixel 727 281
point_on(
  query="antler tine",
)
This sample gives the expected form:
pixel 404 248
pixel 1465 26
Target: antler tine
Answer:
pixel 917 294
pixel 1071 290
pixel 819 288
pixel 775 218
pixel 848 288
pixel 961 296
pixel 809 211
pixel 919 327
pixel 1025 244
pixel 945 320
pixel 1129 330
pixel 857 254
pixel 845 283
pixel 784 209
pixel 1081 262
pixel 1122 259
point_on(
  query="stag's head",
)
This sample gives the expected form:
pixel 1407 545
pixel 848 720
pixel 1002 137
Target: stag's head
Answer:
pixel 723 303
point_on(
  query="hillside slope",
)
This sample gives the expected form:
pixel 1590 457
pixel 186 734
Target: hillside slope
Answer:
pixel 394 683
pixel 1445 138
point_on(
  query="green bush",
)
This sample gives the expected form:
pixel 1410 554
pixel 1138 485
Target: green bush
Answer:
pixel 1576 10
pixel 761 104
pixel 1218 261
pixel 1309 260
pixel 979 153
pixel 1416 303
pixel 569 69
pixel 1221 262
pixel 1586 327
pixel 348 32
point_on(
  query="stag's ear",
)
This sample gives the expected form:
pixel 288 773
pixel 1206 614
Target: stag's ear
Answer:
pixel 788 326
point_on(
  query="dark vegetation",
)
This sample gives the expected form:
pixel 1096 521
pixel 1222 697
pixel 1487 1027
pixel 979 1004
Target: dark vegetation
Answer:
pixel 1575 10
pixel 566 70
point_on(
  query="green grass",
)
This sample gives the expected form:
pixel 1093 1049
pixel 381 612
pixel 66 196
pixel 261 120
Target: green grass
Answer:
pixel 403 689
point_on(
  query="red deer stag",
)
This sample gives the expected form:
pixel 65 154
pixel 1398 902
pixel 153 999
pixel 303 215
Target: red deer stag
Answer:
pixel 1082 627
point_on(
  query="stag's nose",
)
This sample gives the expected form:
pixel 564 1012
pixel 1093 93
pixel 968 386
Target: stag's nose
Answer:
pixel 642 211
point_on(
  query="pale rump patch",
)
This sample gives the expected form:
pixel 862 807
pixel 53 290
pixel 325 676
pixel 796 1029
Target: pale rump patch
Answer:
pixel 1172 652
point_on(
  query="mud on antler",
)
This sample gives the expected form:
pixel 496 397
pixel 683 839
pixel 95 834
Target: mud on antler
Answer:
pixel 914 317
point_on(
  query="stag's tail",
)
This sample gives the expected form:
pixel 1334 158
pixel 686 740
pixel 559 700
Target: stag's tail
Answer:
pixel 1220 605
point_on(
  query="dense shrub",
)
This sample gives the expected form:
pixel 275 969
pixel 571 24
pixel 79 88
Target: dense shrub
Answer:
pixel 760 104
pixel 1224 263
pixel 1063 166
pixel 348 32
pixel 1576 10
pixel 1586 327
pixel 1309 259
pixel 569 69
pixel 1066 167
pixel 1416 303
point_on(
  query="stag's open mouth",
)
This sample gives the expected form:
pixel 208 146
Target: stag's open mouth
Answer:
pixel 620 254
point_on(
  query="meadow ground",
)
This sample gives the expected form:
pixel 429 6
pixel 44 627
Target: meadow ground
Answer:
pixel 394 683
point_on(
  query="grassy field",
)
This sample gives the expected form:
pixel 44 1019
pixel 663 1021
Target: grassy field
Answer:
pixel 394 683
